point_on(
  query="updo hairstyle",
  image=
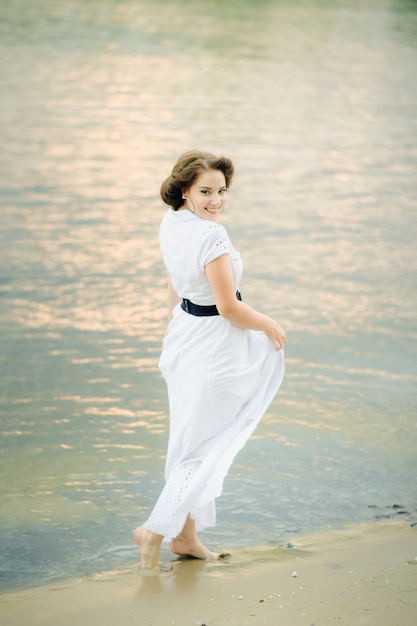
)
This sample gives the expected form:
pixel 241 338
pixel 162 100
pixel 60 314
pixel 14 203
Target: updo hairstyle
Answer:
pixel 186 171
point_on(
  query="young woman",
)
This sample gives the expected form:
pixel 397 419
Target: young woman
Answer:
pixel 222 360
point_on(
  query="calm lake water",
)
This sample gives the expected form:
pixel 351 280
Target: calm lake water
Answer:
pixel 316 103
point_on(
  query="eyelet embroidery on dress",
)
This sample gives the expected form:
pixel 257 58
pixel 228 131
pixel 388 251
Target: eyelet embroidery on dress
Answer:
pixel 217 244
pixel 164 518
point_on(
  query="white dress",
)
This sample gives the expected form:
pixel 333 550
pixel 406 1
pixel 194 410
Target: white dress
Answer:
pixel 220 378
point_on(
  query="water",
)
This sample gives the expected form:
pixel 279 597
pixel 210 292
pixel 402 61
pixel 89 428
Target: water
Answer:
pixel 316 105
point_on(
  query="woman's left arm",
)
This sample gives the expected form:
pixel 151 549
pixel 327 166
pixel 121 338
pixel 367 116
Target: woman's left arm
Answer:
pixel 239 313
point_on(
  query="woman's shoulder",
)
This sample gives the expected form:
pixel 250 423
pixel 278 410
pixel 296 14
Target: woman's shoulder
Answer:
pixel 212 229
pixel 186 223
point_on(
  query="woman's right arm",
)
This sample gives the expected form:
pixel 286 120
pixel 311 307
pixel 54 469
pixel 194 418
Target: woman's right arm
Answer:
pixel 239 313
pixel 173 299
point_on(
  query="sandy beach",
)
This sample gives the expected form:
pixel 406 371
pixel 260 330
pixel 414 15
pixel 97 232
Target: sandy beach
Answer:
pixel 365 574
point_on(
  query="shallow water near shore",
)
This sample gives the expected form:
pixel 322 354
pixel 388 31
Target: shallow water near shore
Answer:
pixel 361 574
pixel 315 103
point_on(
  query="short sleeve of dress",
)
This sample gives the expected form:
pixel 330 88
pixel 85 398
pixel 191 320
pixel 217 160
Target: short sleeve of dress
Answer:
pixel 214 242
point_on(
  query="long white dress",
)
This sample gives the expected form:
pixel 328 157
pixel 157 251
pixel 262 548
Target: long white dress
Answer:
pixel 220 378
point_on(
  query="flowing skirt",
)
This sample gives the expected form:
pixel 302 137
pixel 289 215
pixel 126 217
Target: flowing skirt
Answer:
pixel 220 379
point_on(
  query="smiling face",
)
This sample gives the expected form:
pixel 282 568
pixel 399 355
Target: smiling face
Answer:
pixel 207 195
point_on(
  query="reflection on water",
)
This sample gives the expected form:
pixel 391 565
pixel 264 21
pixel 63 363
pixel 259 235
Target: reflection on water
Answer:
pixel 315 103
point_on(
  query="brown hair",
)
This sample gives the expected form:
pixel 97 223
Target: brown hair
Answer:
pixel 187 169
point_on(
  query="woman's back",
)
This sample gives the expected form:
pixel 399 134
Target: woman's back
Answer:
pixel 188 243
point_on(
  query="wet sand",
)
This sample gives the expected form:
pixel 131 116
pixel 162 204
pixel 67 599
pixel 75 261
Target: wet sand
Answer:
pixel 360 575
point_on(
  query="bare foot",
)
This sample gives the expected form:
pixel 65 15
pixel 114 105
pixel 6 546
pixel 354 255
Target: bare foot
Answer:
pixel 149 547
pixel 194 548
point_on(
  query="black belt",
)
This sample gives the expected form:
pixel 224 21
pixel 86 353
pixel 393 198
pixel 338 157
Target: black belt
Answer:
pixel 202 311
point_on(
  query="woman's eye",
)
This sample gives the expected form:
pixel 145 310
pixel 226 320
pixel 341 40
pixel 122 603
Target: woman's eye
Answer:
pixel 206 192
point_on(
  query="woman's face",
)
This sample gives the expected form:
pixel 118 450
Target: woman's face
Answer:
pixel 207 195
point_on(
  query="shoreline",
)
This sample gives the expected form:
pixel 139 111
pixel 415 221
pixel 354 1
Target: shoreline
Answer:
pixel 363 574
